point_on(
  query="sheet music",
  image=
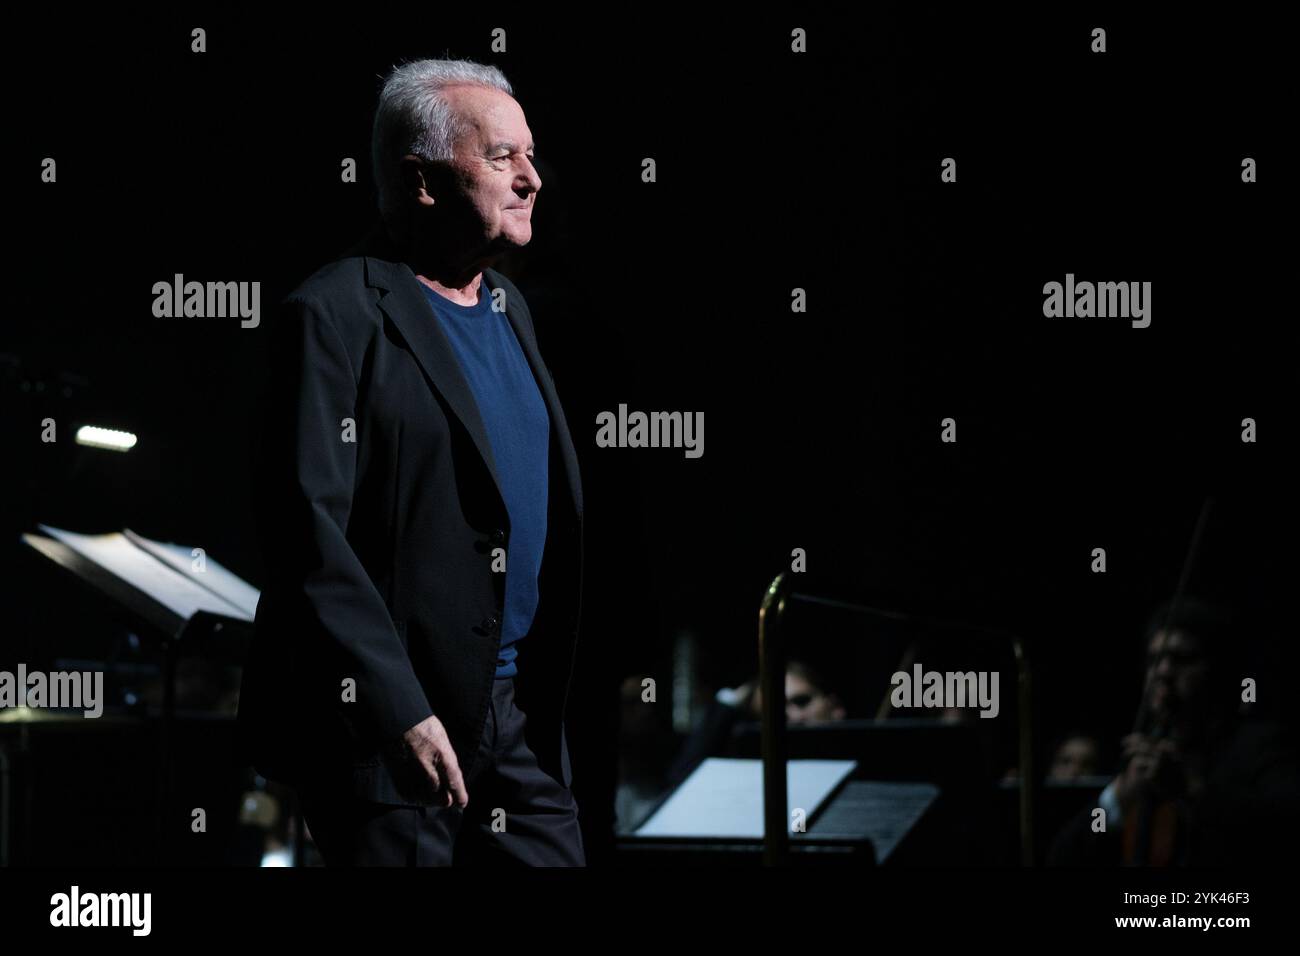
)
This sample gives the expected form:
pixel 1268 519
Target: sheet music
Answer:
pixel 884 811
pixel 724 797
pixel 169 587
pixel 215 577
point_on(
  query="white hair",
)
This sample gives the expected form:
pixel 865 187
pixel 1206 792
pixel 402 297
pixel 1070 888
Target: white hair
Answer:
pixel 414 117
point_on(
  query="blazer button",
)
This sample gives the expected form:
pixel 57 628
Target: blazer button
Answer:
pixel 498 536
pixel 489 624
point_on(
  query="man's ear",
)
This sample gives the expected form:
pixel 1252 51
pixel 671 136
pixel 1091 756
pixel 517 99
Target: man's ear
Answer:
pixel 414 175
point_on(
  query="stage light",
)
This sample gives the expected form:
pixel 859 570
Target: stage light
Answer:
pixel 109 438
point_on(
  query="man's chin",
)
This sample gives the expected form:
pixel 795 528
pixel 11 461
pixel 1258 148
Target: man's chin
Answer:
pixel 508 242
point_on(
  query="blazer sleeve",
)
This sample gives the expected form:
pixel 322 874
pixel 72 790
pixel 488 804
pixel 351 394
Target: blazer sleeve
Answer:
pixel 341 627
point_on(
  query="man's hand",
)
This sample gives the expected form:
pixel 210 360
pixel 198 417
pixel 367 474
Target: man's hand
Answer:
pixel 431 747
pixel 1154 767
pixel 749 699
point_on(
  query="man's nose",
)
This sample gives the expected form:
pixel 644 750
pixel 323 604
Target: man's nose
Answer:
pixel 530 182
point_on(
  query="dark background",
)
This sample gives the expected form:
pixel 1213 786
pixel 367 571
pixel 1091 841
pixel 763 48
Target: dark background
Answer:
pixel 775 171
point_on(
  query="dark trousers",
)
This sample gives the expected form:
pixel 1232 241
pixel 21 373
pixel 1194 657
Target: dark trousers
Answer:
pixel 517 815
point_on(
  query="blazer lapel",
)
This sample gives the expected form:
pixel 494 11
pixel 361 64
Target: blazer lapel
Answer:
pixel 404 302
pixel 515 313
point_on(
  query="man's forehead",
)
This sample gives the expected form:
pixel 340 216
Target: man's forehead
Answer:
pixel 493 116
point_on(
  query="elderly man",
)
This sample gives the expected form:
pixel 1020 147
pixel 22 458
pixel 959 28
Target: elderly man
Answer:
pixel 423 522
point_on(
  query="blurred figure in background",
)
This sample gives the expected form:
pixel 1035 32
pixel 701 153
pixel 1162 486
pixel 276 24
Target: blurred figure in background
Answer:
pixel 808 700
pixel 1204 782
pixel 1074 757
pixel 1077 756
pixel 646 747
pixel 808 697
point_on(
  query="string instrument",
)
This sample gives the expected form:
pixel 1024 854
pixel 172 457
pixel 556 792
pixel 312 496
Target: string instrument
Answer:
pixel 1157 832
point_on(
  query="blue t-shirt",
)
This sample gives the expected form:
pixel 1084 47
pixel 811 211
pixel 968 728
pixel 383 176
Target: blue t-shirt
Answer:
pixel 519 430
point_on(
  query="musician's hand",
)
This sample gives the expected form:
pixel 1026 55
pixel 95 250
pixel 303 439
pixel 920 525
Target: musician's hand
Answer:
pixel 431 747
pixel 748 697
pixel 1154 769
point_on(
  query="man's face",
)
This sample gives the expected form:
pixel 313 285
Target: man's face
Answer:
pixel 805 704
pixel 493 184
pixel 1077 757
pixel 1176 672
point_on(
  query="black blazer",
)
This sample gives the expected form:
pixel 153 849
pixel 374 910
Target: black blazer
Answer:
pixel 379 549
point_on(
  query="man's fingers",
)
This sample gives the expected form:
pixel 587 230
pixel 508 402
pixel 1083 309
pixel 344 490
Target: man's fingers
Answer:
pixel 449 778
pixel 431 770
pixel 455 783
